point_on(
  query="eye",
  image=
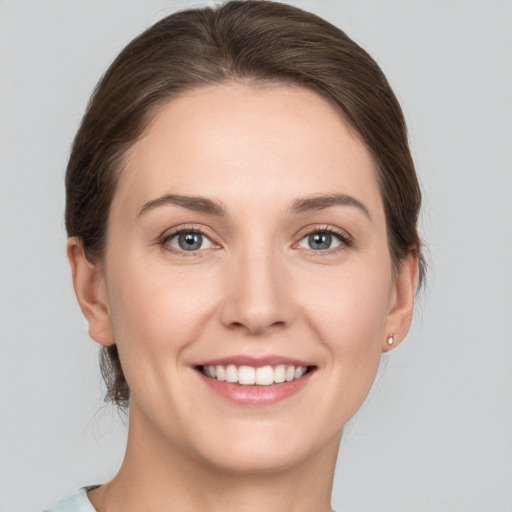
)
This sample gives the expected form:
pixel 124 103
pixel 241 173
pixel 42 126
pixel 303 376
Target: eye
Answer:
pixel 188 240
pixel 323 240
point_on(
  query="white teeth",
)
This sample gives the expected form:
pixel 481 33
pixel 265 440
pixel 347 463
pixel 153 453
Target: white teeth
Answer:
pixel 249 376
pixel 280 373
pixel 299 372
pixel 246 375
pixel 265 376
pixel 220 372
pixel 231 373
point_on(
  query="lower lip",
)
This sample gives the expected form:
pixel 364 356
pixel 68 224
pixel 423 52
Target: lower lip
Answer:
pixel 256 395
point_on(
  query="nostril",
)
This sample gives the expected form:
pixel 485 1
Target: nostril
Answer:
pixel 253 328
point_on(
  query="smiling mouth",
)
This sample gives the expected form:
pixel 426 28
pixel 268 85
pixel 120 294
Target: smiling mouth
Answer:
pixel 251 376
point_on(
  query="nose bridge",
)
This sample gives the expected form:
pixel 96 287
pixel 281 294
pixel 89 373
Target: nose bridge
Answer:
pixel 258 294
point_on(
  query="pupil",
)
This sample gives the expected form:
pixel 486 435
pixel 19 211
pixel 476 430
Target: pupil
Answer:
pixel 320 241
pixel 190 241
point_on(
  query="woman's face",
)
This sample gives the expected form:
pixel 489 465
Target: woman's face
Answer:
pixel 247 236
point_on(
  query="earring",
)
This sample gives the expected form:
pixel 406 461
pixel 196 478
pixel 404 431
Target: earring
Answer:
pixel 391 339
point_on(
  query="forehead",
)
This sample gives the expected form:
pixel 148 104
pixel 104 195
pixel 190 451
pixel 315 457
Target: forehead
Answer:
pixel 238 142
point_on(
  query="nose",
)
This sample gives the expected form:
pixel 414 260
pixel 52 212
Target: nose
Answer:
pixel 258 294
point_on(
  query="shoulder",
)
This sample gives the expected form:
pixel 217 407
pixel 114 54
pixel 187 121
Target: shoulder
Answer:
pixel 78 502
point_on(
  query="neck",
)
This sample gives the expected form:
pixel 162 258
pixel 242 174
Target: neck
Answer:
pixel 157 475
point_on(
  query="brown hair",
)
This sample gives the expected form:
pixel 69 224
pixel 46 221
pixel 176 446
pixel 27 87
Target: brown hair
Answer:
pixel 256 42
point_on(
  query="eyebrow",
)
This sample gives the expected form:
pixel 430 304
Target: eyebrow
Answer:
pixel 195 203
pixel 321 202
pixel 301 205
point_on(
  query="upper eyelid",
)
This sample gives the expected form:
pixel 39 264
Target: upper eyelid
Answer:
pixel 184 229
pixel 346 240
pixel 173 232
pixel 325 228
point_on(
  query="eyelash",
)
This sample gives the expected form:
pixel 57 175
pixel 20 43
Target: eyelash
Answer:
pixel 345 240
pixel 169 236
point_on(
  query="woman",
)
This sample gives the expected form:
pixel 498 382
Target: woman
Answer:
pixel 241 211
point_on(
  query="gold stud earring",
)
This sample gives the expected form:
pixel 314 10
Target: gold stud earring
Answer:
pixel 391 339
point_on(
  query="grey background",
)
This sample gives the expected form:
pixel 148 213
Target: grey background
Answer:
pixel 436 432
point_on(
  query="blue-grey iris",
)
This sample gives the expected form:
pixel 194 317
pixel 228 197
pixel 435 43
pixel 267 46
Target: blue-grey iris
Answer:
pixel 320 240
pixel 190 241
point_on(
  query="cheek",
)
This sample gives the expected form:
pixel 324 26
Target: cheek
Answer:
pixel 349 317
pixel 156 314
pixel 349 306
pixel 158 310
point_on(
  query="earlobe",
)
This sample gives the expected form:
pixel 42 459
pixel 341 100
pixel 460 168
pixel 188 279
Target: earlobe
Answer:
pixel 90 291
pixel 402 303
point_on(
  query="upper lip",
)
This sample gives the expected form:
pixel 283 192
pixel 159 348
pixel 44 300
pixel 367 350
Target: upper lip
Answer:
pixel 256 362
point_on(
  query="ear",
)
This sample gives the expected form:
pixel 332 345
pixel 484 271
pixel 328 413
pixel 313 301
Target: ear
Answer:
pixel 90 291
pixel 402 301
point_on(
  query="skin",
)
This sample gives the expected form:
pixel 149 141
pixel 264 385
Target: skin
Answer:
pixel 258 288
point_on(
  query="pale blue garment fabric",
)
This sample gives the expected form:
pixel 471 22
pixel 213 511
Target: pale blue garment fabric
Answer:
pixel 79 503
pixel 76 503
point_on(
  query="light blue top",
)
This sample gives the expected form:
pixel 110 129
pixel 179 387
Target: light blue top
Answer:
pixel 76 503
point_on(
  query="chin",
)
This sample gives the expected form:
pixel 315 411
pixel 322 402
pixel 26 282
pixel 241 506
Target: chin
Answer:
pixel 255 462
pixel 273 452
